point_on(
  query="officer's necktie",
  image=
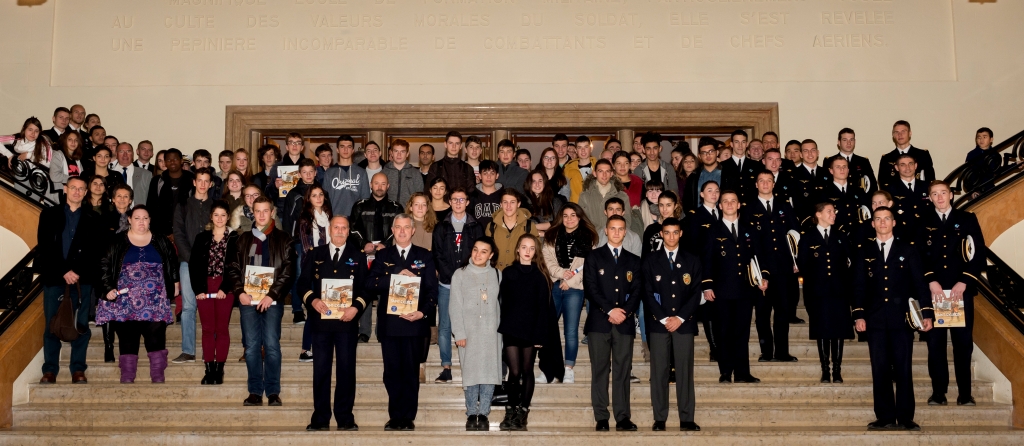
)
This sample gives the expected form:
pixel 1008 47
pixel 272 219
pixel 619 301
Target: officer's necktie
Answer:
pixel 812 173
pixel 124 174
pixel 403 254
pixel 910 186
pixel 843 190
pixel 615 252
pixel 671 261
pixel 714 214
pixel 826 236
pixel 943 218
pixel 337 254
pixel 739 165
pixel 735 235
pixel 768 204
pixel 883 251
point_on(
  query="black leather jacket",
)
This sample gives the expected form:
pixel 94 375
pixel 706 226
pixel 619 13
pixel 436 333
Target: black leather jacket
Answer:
pixel 361 222
pixel 112 262
pixel 199 264
pixel 282 258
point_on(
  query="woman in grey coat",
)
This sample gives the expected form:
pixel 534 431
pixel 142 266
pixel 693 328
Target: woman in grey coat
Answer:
pixel 474 312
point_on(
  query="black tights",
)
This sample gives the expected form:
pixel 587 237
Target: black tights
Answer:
pixel 130 332
pixel 833 347
pixel 520 362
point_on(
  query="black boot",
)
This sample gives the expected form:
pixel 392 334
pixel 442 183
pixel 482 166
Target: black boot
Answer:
pixel 208 377
pixel 218 373
pixel 837 361
pixel 522 414
pixel 108 343
pixel 823 352
pixel 508 423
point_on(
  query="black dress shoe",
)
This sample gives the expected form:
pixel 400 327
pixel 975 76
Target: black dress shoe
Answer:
pixel 725 379
pixel 364 338
pixel 602 426
pixel 314 427
pixel 482 423
pixel 747 379
pixel 879 425
pixel 348 427
pixel 393 425
pixel 764 358
pixel 408 425
pixel 689 426
pixel 711 358
pixel 274 400
pixel 937 400
pixel 825 377
pixel 797 320
pixel 969 401
pixel 910 426
pixel 659 426
pixel 787 358
pixel 625 426
pixel 837 377
pixel 471 422
pixel 253 400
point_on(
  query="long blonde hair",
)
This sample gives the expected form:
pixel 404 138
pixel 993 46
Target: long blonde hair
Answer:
pixel 430 219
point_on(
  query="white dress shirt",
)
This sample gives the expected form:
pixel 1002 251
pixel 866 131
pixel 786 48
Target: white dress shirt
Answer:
pixel 888 246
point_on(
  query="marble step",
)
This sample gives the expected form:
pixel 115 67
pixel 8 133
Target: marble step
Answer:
pixel 852 391
pixel 727 415
pixel 372 371
pixel 932 435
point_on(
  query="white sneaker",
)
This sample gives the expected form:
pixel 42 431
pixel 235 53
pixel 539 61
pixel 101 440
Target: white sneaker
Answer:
pixel 570 377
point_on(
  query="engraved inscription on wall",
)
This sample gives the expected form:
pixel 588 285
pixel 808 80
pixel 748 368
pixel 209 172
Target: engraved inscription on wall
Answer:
pixel 322 42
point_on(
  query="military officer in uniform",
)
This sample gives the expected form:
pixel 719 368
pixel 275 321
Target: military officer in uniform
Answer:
pixel 672 293
pixel 909 195
pixel 729 282
pixel 783 189
pixel 611 285
pixel 887 168
pixel 401 337
pixel 861 174
pixel 772 219
pixel 846 197
pixel 888 272
pixel 744 168
pixel 808 177
pixel 952 247
pixel 698 222
pixel 334 330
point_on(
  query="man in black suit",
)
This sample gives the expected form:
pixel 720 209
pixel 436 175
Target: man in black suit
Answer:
pixel 886 274
pixel 67 259
pixel 745 169
pixel 845 195
pixel 61 118
pixel 729 282
pixel 772 219
pixel 711 170
pixel 332 332
pixel 611 284
pixel 951 263
pixel 887 169
pixel 401 337
pixel 672 294
pixel 808 178
pixel 861 173
pixel 909 196
pixel 144 154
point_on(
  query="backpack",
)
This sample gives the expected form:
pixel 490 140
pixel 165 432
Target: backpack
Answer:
pixel 64 325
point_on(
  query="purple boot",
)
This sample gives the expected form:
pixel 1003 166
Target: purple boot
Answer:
pixel 128 364
pixel 157 364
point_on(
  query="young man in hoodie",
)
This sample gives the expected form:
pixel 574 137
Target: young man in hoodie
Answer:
pixel 345 183
pixel 655 167
pixel 486 197
pixel 598 189
pixel 578 170
pixel 404 178
pixel 190 218
pixel 508 168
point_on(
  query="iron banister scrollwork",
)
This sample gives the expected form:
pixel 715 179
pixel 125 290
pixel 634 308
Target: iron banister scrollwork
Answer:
pixel 1003 287
pixel 29 180
pixel 999 164
pixel 18 288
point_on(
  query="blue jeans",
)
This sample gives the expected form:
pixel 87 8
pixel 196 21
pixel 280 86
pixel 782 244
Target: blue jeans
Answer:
pixel 188 311
pixel 296 299
pixel 643 325
pixel 262 331
pixel 52 344
pixel 569 307
pixel 478 399
pixel 444 326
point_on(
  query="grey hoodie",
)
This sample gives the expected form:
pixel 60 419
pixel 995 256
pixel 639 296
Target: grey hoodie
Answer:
pixel 344 187
pixel 403 183
pixel 666 173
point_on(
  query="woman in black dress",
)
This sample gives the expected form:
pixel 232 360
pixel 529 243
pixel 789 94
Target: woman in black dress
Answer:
pixel 823 256
pixel 527 314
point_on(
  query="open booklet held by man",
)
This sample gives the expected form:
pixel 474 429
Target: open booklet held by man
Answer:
pixel 403 295
pixel 258 280
pixel 337 295
pixel 949 312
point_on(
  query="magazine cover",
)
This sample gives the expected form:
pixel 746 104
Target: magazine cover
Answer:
pixel 949 312
pixel 337 295
pixel 257 282
pixel 290 176
pixel 404 295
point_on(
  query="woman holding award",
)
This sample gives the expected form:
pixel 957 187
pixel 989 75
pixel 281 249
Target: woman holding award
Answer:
pixel 214 299
pixel 474 314
pixel 827 285
pixel 140 277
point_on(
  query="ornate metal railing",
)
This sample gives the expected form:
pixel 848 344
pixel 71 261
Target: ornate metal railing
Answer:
pixel 996 166
pixel 18 288
pixel 29 180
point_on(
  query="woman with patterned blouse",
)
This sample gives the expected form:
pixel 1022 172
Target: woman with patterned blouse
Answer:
pixel 206 272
